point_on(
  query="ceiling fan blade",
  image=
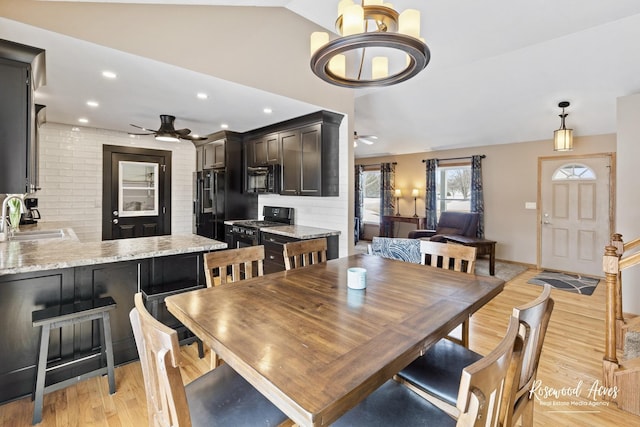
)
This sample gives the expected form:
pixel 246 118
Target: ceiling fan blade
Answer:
pixel 365 140
pixel 192 138
pixel 140 127
pixel 131 133
pixel 184 131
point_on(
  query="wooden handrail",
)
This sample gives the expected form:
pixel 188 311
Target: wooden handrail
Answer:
pixel 610 263
pixel 629 261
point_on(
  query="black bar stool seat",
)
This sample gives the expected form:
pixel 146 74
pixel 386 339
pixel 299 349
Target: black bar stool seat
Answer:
pixel 64 315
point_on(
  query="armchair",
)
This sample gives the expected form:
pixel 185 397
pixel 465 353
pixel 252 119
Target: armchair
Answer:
pixel 459 223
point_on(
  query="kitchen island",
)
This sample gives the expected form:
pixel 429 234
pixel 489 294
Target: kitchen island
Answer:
pixel 42 273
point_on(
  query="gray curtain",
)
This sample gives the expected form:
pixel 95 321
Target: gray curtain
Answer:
pixel 359 201
pixel 477 195
pixel 387 188
pixel 431 212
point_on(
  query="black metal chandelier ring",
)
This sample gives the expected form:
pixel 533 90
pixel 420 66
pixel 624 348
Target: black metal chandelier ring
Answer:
pixel 419 56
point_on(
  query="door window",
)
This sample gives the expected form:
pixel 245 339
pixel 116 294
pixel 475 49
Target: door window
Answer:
pixel 138 189
pixel 573 171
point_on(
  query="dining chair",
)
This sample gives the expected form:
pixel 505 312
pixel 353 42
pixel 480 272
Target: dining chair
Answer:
pixel 243 263
pixel 478 402
pixel 407 250
pixel 434 375
pixel 304 253
pixel 451 257
pixel 219 397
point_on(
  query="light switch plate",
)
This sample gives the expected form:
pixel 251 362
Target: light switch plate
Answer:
pixel 530 205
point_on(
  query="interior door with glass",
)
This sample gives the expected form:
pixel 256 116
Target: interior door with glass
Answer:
pixel 136 196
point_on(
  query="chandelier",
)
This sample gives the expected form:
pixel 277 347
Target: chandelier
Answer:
pixel 373 37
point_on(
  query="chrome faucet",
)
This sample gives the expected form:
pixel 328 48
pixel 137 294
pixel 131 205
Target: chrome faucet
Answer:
pixel 3 213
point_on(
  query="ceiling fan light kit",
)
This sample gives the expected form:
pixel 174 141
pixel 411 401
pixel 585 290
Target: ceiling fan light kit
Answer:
pixel 392 32
pixel 168 132
pixel 563 137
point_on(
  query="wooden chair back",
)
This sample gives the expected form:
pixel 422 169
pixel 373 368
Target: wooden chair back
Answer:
pixel 448 256
pixel 159 357
pixel 240 261
pixel 304 253
pixel 484 382
pixel 534 319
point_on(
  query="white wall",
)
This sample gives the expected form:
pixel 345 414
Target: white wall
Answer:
pixel 71 177
pixel 628 201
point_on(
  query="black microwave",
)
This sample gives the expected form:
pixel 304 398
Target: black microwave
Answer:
pixel 263 179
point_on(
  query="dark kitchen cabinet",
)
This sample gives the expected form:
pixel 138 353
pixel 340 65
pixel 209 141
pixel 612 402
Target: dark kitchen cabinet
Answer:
pixel 21 294
pixel 302 162
pixel 306 148
pixel 21 73
pixel 273 247
pixel 211 155
pixel 264 150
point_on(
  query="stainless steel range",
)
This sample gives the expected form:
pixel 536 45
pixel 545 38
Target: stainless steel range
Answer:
pixel 247 233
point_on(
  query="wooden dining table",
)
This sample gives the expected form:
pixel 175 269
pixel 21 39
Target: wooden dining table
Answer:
pixel 315 347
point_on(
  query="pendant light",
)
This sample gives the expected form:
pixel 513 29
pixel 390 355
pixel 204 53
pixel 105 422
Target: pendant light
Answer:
pixel 563 137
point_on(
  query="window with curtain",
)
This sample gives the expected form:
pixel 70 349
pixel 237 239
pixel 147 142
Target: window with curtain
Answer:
pixel 453 187
pixel 371 199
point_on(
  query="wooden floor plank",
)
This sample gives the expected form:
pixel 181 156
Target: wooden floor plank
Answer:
pixel 572 355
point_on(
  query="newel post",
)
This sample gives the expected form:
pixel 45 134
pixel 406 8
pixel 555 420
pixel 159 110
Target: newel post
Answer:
pixel 610 262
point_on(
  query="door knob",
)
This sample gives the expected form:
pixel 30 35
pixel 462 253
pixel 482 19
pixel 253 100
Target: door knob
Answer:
pixel 115 221
pixel 546 222
pixel 115 213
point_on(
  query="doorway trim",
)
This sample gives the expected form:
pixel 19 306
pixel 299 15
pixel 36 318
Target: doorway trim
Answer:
pixel 576 157
pixel 107 152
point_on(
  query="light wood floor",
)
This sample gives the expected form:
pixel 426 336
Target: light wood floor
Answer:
pixel 571 358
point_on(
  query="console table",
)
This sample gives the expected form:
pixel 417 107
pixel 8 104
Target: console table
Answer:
pixel 388 220
pixel 483 246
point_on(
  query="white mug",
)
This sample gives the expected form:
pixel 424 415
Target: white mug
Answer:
pixel 357 278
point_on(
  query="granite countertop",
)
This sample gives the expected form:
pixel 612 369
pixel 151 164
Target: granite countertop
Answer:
pixel 295 231
pixel 68 251
pixel 300 231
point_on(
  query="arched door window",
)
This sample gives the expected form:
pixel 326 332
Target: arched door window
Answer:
pixel 573 172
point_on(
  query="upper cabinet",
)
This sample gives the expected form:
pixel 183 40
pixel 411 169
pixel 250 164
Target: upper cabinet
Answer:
pixel 21 73
pixel 306 148
pixel 211 155
pixel 263 150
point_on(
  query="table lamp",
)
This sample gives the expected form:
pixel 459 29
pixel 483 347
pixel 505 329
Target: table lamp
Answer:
pixel 414 194
pixel 398 194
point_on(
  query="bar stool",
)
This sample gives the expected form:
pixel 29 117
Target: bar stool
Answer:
pixel 65 315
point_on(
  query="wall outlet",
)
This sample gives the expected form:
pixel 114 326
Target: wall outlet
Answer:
pixel 530 205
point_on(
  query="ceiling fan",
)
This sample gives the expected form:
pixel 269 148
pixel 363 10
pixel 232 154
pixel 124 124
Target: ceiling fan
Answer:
pixel 168 132
pixel 366 139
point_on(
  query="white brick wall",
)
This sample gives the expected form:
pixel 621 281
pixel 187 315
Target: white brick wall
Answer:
pixel 71 176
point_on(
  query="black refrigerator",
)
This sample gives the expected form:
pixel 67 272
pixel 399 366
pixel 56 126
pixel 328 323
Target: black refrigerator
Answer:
pixel 210 196
pixel 218 193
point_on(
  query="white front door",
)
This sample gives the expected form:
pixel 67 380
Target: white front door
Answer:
pixel 575 213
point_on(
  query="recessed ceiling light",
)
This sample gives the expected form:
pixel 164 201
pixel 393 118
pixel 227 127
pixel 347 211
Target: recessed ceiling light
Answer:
pixel 268 110
pixel 224 126
pixel 92 103
pixel 109 74
pixel 83 120
pixel 202 95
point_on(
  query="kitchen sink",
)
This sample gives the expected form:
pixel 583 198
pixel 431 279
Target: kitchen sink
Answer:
pixel 37 234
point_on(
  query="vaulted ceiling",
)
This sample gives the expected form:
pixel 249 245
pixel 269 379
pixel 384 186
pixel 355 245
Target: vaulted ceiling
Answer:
pixel 498 69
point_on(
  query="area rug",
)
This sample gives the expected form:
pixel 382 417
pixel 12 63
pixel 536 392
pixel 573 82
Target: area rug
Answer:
pixel 504 270
pixel 567 282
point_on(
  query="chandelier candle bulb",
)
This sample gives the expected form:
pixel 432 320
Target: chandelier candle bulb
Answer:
pixel 342 5
pixel 379 67
pixel 318 39
pixel 373 2
pixel 388 5
pixel 409 23
pixel 352 20
pixel 338 65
